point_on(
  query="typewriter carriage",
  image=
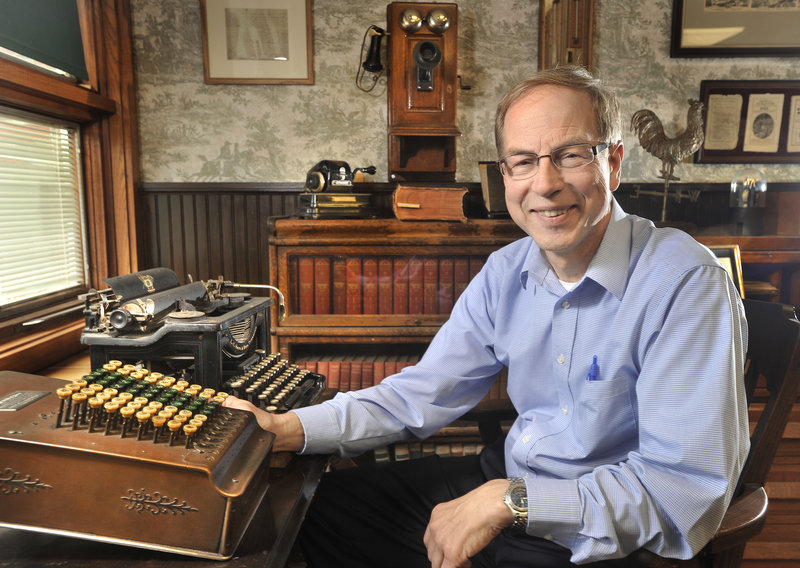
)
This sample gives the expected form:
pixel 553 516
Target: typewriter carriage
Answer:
pixel 198 330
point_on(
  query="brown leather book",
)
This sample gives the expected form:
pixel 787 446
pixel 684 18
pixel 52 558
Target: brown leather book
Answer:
pixel 419 203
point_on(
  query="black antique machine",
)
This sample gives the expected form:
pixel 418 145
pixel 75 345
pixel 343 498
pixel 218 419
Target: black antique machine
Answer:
pixel 205 331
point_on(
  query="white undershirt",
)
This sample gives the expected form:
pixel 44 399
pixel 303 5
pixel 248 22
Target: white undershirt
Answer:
pixel 568 285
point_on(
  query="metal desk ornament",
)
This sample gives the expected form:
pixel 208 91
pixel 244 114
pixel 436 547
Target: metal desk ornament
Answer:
pixel 670 150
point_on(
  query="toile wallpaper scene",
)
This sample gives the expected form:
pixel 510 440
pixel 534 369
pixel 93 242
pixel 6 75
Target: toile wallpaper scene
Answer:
pixel 193 132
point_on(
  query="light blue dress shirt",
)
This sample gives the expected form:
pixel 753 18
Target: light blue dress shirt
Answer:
pixel 646 454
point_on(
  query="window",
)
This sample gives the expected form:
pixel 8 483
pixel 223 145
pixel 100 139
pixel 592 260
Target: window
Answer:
pixel 43 241
pixel 45 328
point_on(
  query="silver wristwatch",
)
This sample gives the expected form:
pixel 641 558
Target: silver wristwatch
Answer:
pixel 516 499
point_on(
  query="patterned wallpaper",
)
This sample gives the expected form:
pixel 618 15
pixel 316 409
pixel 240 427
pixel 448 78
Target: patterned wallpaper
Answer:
pixel 193 132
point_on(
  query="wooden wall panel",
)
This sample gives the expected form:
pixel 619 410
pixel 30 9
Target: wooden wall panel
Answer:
pixel 212 230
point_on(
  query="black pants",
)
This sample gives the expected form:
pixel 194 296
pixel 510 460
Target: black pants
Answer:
pixel 375 516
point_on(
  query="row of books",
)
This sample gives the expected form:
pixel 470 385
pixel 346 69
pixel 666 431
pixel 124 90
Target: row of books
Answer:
pixel 381 284
pixel 414 450
pixel 357 371
pixel 354 372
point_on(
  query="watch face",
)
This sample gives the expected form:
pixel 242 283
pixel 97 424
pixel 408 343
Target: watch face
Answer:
pixel 519 497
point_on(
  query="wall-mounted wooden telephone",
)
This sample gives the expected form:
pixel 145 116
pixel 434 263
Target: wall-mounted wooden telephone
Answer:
pixel 422 88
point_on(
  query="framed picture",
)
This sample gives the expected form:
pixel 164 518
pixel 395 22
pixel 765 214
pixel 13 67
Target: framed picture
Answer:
pixel 258 41
pixel 740 28
pixel 731 258
pixel 750 122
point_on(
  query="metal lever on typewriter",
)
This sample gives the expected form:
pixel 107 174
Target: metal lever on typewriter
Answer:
pixel 281 302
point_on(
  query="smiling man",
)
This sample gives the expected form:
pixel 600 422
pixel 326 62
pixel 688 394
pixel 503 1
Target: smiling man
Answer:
pixel 624 346
pixel 560 196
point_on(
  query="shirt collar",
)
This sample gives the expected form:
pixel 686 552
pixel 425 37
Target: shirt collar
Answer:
pixel 609 267
pixel 611 262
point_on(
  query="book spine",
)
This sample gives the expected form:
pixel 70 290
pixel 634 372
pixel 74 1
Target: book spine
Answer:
pixel 415 282
pixel 385 290
pixel 305 276
pixel 322 285
pixel 368 371
pixel 390 366
pixel 323 366
pixel 294 279
pixel 344 375
pixel 354 291
pixel 400 285
pixel 370 285
pixel 339 285
pixel 446 272
pixel 430 285
pixel 379 369
pixel 356 368
pixel 334 374
pixel 460 276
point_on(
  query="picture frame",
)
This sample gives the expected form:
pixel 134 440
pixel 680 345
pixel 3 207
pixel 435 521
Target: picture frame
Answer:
pixel 733 28
pixel 750 122
pixel 731 258
pixel 257 42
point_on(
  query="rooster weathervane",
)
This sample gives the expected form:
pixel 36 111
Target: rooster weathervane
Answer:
pixel 647 126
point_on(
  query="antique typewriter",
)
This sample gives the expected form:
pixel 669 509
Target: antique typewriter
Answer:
pixel 201 331
pixel 140 451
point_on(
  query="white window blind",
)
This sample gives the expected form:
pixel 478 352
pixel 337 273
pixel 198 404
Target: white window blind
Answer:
pixel 42 238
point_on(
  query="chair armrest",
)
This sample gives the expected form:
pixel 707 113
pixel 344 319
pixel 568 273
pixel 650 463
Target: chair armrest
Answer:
pixel 743 520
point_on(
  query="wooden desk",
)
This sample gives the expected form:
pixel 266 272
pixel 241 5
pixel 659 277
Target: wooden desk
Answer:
pixel 267 542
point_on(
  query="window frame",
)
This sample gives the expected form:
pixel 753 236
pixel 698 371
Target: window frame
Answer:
pixel 105 110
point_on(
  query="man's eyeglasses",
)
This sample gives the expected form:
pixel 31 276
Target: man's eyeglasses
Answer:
pixel 523 166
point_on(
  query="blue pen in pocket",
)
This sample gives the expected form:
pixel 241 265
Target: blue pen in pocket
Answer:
pixel 593 370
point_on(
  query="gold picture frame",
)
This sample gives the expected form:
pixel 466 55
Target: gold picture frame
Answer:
pixel 731 258
pixel 717 28
pixel 258 42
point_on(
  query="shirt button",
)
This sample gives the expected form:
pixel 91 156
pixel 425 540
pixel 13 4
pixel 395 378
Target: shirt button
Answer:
pixel 565 410
pixel 565 304
pixel 526 439
pixel 561 359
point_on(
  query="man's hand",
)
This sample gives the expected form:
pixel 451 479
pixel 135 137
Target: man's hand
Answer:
pixel 288 430
pixel 461 528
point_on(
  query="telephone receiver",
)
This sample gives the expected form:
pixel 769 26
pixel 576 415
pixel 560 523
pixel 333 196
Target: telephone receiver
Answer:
pixel 373 61
pixel 333 175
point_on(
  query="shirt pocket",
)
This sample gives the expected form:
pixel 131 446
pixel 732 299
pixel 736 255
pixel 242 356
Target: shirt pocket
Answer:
pixel 605 423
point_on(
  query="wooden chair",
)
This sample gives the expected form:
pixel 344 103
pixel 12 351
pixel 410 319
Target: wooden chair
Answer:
pixel 772 375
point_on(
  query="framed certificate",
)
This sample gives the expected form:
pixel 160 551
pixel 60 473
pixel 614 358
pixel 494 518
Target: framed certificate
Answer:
pixel 750 121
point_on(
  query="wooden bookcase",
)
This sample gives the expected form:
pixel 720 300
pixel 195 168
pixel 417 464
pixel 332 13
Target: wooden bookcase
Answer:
pixel 377 289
